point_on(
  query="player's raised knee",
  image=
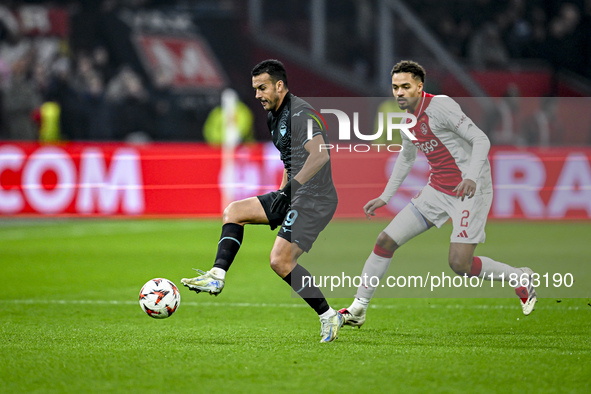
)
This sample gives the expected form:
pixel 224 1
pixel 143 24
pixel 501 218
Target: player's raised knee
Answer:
pixel 229 215
pixel 237 212
pixel 384 241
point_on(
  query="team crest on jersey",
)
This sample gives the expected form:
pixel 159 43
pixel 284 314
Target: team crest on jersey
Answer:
pixel 283 129
pixel 424 128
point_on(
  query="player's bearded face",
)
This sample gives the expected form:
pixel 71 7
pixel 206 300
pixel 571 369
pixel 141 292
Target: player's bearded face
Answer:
pixel 266 91
pixel 407 90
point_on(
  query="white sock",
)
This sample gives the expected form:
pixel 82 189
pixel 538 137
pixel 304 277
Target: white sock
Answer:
pixel 359 306
pixel 500 271
pixel 328 314
pixel 375 267
pixel 218 272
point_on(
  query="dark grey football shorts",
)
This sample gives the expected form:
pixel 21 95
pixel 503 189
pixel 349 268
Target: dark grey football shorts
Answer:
pixel 304 222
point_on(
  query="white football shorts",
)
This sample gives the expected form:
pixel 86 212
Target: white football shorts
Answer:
pixel 468 216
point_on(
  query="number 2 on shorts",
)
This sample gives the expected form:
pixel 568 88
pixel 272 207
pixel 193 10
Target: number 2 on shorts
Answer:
pixel 464 221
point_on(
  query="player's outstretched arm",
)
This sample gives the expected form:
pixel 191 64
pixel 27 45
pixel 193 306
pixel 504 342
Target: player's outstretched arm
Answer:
pixel 371 206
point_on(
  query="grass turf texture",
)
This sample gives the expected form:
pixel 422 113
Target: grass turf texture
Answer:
pixel 71 322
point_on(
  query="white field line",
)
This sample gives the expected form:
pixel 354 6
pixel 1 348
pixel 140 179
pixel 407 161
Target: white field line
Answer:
pixel 277 305
pixel 85 230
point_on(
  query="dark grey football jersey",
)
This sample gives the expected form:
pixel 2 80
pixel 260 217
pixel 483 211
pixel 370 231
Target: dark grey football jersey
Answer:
pixel 289 130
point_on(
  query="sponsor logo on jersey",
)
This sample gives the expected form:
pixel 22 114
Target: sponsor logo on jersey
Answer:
pixel 427 146
pixel 424 128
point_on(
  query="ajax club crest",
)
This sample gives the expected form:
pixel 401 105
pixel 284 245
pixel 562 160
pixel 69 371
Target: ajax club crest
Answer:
pixel 424 128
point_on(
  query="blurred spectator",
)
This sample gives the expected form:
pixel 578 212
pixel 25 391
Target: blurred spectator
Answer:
pixel 169 117
pixel 557 31
pixel 133 111
pixel 102 63
pixel 13 46
pixel 486 49
pixel 48 118
pixel 518 29
pixel 97 99
pixel 87 114
pixel 214 130
pixel 97 111
pixel 565 39
pixel 586 23
pixel 9 29
pixel 20 99
pixel 539 34
pixel 117 87
pixel 454 35
pixel 85 72
pixel 60 92
pixel 4 80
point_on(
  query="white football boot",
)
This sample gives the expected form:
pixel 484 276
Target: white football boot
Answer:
pixel 352 319
pixel 527 294
pixel 207 282
pixel 330 327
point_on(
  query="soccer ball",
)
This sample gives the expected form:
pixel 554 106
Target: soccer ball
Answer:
pixel 159 298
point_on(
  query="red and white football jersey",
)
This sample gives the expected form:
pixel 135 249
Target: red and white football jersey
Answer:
pixel 446 136
pixel 455 148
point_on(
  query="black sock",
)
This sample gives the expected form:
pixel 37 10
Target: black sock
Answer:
pixel 229 244
pixel 301 282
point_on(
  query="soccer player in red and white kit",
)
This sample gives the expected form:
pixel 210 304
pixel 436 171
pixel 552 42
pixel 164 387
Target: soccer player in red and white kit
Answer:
pixel 460 188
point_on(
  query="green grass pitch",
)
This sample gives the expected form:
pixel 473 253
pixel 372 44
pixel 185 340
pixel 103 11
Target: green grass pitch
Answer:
pixel 70 320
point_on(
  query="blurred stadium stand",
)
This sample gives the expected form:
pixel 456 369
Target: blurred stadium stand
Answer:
pixel 153 69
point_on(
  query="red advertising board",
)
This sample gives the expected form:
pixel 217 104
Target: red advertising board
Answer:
pixel 108 179
pixel 192 179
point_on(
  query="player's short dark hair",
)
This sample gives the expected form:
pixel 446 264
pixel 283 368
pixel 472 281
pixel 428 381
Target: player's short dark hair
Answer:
pixel 274 68
pixel 408 66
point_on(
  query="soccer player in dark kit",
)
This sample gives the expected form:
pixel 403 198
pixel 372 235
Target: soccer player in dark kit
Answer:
pixel 303 206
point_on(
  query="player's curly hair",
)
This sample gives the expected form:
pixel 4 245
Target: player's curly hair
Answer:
pixel 408 66
pixel 274 68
